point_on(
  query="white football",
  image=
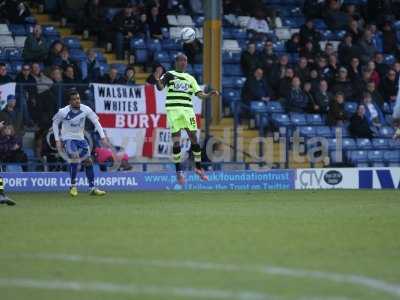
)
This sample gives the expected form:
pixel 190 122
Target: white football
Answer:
pixel 188 35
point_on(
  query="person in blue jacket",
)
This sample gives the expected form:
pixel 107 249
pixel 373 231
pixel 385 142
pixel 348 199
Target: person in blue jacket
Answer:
pixel 373 113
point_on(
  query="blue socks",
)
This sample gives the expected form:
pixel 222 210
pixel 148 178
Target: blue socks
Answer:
pixel 73 170
pixel 90 175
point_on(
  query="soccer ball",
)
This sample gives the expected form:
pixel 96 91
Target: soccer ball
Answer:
pixel 188 35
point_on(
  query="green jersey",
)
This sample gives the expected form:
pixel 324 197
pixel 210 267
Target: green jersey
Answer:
pixel 181 87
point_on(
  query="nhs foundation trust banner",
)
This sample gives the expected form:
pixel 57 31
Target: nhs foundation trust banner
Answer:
pixel 134 118
pixel 143 181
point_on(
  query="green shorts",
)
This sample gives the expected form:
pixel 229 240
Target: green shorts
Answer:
pixel 181 118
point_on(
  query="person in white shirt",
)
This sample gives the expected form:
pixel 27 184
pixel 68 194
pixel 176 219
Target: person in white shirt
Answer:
pixel 258 24
pixel 71 143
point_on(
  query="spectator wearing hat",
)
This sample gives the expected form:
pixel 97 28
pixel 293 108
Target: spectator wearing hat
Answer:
pixel 10 116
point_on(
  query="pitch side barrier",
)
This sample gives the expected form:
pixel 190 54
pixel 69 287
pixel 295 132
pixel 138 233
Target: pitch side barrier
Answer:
pixel 153 181
pixel 330 178
pixel 348 178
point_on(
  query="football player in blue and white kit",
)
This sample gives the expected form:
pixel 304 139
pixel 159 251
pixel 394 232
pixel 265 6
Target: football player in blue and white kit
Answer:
pixel 71 140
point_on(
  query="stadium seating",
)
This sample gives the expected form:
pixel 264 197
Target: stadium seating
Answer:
pixel 307 131
pixel 380 144
pixel 298 119
pixel 280 120
pixel 364 144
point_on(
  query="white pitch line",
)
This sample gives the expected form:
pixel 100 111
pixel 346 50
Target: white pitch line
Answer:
pixel 371 283
pixel 133 289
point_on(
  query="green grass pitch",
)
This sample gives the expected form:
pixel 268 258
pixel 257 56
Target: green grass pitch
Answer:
pixel 302 245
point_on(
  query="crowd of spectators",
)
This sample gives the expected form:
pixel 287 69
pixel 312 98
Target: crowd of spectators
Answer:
pixel 324 78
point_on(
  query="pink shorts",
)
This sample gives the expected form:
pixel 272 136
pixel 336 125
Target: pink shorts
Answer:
pixel 104 154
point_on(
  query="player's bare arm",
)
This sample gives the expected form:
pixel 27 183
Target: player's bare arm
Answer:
pixel 203 95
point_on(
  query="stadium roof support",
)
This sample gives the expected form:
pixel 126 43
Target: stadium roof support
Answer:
pixel 212 53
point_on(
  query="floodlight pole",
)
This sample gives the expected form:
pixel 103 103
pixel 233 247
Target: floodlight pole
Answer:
pixel 212 54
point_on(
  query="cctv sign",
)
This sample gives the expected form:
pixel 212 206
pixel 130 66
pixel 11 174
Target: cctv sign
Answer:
pixel 346 178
